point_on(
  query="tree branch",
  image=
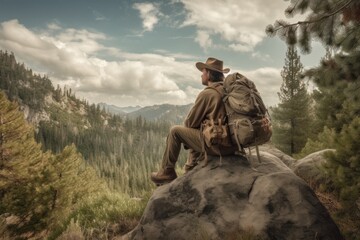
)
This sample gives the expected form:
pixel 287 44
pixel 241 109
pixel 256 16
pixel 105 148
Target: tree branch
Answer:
pixel 316 20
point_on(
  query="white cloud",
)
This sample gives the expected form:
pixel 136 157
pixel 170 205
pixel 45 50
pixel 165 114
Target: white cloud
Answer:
pixel 69 57
pixel 149 13
pixel 203 38
pixel 258 55
pixel 241 23
pixel 53 26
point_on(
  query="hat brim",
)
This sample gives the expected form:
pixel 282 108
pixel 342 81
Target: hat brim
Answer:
pixel 201 66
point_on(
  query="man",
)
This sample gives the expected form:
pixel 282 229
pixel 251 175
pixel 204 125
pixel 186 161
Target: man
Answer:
pixel 208 106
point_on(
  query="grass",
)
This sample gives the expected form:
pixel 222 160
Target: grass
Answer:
pixel 103 217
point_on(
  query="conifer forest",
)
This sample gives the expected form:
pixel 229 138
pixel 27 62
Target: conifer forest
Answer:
pixel 76 146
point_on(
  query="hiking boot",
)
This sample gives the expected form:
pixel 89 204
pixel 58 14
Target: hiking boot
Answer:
pixel 163 176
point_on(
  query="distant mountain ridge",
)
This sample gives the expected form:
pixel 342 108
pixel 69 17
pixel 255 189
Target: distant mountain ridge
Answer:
pixel 119 110
pixel 164 112
pixel 172 113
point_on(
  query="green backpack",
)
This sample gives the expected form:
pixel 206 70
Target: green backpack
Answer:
pixel 248 119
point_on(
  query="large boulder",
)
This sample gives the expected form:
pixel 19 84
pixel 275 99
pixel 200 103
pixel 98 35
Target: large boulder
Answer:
pixel 309 167
pixel 238 196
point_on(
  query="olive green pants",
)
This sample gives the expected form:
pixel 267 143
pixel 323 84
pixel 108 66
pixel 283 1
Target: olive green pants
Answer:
pixel 192 140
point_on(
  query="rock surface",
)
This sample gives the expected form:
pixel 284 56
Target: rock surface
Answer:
pixel 215 201
pixel 269 148
pixel 308 167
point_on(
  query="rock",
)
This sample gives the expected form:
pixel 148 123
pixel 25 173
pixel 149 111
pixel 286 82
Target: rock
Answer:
pixel 269 148
pixel 34 117
pixel 308 168
pixel 267 199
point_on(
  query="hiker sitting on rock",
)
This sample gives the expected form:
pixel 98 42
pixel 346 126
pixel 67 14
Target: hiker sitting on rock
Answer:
pixel 208 108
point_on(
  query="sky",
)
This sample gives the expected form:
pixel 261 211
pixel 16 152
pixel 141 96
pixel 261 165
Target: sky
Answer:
pixel 129 53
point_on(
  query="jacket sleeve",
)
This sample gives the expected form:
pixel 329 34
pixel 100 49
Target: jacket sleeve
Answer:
pixel 199 111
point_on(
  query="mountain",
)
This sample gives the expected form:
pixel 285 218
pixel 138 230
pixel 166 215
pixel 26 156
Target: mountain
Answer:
pixel 122 111
pixel 174 114
pixel 130 109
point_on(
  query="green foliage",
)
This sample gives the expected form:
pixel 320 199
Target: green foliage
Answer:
pixel 329 102
pixel 21 84
pixel 336 24
pixel 325 20
pixel 72 182
pixel 123 151
pixel 96 214
pixel 343 168
pixel 324 140
pixel 73 231
pixel 39 190
pixel 44 190
pixel 22 164
pixel 344 165
pixel 292 118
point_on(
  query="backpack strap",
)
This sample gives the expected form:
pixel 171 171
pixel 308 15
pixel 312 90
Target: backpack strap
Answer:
pixel 222 97
pixel 258 153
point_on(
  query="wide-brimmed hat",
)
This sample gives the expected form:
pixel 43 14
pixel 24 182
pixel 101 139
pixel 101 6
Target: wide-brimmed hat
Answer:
pixel 212 64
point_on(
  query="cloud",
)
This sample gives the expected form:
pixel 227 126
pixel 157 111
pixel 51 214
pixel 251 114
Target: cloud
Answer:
pixel 69 56
pixel 258 55
pixel 203 38
pixel 53 26
pixel 267 81
pixel 149 13
pixel 241 23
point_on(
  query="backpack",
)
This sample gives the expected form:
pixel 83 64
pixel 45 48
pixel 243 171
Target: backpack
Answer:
pixel 248 119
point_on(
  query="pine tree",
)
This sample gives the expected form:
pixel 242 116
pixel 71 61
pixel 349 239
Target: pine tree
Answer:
pixel 22 164
pixel 38 188
pixel 336 23
pixel 291 117
pixel 347 172
pixel 72 183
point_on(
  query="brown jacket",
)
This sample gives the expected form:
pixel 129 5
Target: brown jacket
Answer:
pixel 208 105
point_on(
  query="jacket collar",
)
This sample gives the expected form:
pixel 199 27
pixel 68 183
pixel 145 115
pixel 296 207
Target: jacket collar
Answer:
pixel 214 84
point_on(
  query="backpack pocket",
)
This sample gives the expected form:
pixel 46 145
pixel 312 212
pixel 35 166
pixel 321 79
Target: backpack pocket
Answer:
pixel 248 132
pixel 215 133
pixel 242 131
pixel 263 130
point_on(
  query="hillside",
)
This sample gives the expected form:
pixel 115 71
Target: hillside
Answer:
pixel 122 150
